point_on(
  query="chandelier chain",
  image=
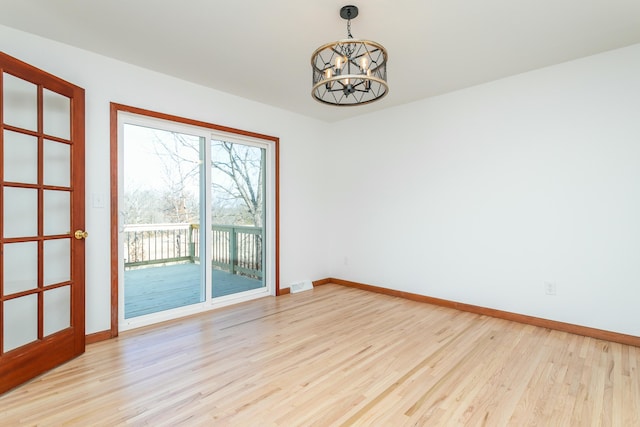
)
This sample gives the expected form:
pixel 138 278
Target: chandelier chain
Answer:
pixel 347 50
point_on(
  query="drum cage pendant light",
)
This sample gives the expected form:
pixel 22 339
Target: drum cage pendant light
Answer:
pixel 349 71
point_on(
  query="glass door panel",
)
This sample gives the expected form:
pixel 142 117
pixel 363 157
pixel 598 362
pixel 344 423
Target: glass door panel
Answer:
pixel 20 321
pixel 57 310
pixel 20 212
pixel 161 217
pixel 20 157
pixel 22 96
pixel 57 114
pixel 56 255
pixel 237 217
pixel 57 163
pixel 20 271
pixel 56 212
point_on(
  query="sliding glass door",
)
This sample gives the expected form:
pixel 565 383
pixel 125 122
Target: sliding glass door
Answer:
pixel 237 217
pixel 196 219
pixel 161 213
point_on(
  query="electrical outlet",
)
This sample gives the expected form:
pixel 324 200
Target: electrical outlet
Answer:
pixel 550 288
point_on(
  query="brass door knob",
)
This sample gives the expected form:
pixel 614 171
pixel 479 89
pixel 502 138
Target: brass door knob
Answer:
pixel 81 234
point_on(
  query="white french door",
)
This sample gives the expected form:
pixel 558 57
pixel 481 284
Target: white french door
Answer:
pixel 196 219
pixel 42 228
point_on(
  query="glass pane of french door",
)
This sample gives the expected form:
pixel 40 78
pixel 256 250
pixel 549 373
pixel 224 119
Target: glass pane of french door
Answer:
pixel 237 217
pixel 161 220
pixel 36 217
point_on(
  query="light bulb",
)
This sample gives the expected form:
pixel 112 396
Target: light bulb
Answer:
pixel 327 76
pixel 364 63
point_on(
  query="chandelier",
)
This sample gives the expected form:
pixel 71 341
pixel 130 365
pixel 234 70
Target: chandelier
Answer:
pixel 349 71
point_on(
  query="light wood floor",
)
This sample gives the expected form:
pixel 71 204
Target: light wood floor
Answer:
pixel 337 356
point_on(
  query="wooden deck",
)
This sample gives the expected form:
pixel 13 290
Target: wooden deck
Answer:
pixel 158 288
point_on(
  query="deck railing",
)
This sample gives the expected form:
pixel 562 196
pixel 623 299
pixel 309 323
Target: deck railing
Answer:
pixel 236 249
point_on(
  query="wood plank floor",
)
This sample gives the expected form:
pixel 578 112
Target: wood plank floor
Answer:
pixel 337 356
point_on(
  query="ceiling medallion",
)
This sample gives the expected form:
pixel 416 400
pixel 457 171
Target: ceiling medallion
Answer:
pixel 349 71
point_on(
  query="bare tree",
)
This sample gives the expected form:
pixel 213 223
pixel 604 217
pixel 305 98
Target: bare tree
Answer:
pixel 142 206
pixel 237 180
pixel 243 165
pixel 179 156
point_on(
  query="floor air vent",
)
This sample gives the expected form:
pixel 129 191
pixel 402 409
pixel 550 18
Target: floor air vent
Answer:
pixel 305 285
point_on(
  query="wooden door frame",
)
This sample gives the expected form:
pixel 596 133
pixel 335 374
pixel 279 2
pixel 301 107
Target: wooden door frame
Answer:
pixel 117 108
pixel 47 352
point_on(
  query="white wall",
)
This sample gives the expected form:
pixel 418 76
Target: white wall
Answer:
pixel 106 80
pixel 483 195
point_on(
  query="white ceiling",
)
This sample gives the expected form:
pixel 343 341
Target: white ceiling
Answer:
pixel 260 49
